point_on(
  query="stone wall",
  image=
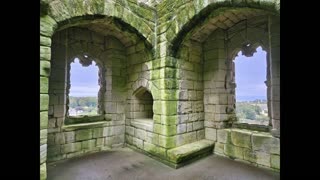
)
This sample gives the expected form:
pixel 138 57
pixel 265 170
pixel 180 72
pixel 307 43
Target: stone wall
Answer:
pixel 190 127
pixel 174 50
pixel 253 147
pixel 66 141
pixel 143 76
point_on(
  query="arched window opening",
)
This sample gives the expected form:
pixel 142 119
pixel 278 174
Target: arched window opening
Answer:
pixel 143 105
pixel 251 89
pixel 84 88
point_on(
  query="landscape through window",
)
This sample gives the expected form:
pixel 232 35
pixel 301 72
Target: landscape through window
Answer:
pixel 251 90
pixel 83 96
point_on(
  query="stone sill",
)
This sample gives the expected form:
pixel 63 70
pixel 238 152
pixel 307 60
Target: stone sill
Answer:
pixel 252 127
pixel 143 123
pixel 83 119
pixel 74 127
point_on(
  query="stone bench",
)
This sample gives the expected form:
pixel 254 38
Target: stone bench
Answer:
pixel 182 155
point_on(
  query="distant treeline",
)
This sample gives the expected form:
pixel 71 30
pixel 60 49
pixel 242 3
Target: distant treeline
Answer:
pixel 82 102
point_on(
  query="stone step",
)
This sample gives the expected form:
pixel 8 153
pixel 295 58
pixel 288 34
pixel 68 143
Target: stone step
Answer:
pixel 182 155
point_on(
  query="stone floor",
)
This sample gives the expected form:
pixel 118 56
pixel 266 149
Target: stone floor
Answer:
pixel 126 164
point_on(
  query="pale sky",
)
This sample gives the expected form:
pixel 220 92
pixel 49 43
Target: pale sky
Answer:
pixel 250 76
pixel 84 80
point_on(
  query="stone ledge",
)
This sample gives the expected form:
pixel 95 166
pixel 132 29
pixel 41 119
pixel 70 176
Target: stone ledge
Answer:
pixel 83 119
pixel 145 124
pixel 85 126
pixel 182 155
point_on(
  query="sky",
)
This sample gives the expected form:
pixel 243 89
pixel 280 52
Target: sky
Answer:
pixel 250 76
pixel 84 80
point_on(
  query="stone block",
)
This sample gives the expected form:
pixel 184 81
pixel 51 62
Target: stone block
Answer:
pixel 186 138
pixel 224 135
pixel 118 130
pixel 44 102
pixel 128 139
pixel 266 143
pixel 69 137
pixel 198 125
pixel 43 153
pixel 90 144
pixel 167 142
pixel 219 148
pixel 181 128
pixel 43 120
pixel 164 130
pixel 43 171
pixel 71 147
pixel 152 138
pixel 137 142
pixel 233 151
pixel 83 134
pixel 241 138
pixel 263 158
pixel 99 142
pixel 43 133
pixel 189 127
pixel 211 134
pixel 107 131
pixel 44 85
pixel 188 151
pixel 59 138
pixel 200 134
pixel 169 120
pixel 97 132
pixel 130 130
pixel 184 107
pixel 275 161
pixel 249 155
pixel 141 134
pixel 75 154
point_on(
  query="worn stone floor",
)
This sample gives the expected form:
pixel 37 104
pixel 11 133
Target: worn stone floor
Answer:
pixel 126 164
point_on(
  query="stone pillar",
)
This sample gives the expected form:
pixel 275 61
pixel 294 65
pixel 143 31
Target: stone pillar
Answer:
pixel 47 26
pixel 274 40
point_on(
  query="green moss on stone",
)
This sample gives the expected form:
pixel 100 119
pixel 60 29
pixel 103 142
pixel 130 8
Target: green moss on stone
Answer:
pixel 189 151
pixel 169 94
pixel 249 155
pixel 275 161
pixel 233 151
pixel 47 26
pixel 83 119
pixel 97 132
pixel 44 85
pixel 241 138
pixel 45 41
pixel 169 120
pixel 157 109
pixel 43 119
pixel 90 144
pixel 266 143
pixel 169 107
pixel 44 102
pixel 72 147
pixel 43 171
pixel 83 134
pixel 44 68
pixel 157 119
pixel 167 142
pixel 45 53
pixel 263 158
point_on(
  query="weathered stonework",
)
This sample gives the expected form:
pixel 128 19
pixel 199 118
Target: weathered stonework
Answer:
pixel 167 77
